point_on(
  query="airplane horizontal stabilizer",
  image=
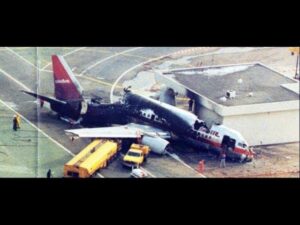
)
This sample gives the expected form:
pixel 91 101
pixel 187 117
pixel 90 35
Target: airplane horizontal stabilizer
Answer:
pixel 45 98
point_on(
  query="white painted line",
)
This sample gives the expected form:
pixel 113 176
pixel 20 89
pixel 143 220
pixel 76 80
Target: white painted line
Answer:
pixel 69 53
pixel 108 58
pixel 15 80
pixel 28 89
pixel 174 156
pixel 21 57
pixel 75 50
pixel 48 71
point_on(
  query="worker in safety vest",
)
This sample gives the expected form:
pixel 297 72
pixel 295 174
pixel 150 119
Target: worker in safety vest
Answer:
pixel 18 118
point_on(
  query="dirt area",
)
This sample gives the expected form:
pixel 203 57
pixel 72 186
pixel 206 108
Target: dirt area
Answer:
pixel 269 161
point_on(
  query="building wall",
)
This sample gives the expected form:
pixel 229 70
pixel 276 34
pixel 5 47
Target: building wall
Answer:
pixel 260 124
pixel 266 128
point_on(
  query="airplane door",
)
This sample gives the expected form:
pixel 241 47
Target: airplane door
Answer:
pixel 228 142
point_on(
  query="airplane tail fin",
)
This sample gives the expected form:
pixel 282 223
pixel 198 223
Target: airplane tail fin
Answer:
pixel 66 86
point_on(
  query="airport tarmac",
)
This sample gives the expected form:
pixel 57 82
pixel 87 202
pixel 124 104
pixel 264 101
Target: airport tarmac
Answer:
pixel 97 69
pixel 27 152
pixel 11 81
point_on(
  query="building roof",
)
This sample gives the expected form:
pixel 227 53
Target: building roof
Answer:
pixel 265 84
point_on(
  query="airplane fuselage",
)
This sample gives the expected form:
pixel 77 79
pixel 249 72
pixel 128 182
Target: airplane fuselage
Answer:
pixel 178 121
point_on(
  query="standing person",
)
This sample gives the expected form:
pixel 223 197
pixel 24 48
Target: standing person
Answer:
pixel 223 160
pixel 18 118
pixel 49 173
pixel 15 122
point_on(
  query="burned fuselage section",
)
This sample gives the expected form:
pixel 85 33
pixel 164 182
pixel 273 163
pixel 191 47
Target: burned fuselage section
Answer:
pixel 104 114
pixel 178 121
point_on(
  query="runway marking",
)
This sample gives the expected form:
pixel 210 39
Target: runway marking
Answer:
pixel 97 81
pixel 87 78
pixel 48 71
pixel 75 50
pixel 28 89
pixel 176 157
pixel 15 80
pixel 108 58
pixel 96 50
pixel 21 57
pixel 110 85
pixel 69 53
pixel 137 56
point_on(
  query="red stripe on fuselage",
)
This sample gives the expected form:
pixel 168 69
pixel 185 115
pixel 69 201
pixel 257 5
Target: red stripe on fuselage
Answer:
pixel 235 150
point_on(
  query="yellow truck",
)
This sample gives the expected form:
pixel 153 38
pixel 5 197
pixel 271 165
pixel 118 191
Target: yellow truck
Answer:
pixel 136 155
pixel 92 158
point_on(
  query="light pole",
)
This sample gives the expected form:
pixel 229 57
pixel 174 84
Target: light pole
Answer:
pixel 295 50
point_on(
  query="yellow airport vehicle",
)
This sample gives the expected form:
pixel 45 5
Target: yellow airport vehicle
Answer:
pixel 92 158
pixel 136 155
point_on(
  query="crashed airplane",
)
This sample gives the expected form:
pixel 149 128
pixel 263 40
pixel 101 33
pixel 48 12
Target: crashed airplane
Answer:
pixel 152 121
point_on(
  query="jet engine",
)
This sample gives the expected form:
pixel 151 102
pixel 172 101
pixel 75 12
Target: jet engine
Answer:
pixel 157 144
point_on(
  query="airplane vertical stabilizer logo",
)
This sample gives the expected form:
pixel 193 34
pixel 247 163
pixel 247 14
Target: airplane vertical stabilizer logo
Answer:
pixel 62 81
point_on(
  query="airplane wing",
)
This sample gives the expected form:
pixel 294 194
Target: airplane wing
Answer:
pixel 129 131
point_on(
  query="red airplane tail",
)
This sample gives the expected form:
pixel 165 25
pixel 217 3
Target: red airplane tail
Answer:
pixel 66 86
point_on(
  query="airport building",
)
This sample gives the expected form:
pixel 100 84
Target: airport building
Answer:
pixel 260 103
